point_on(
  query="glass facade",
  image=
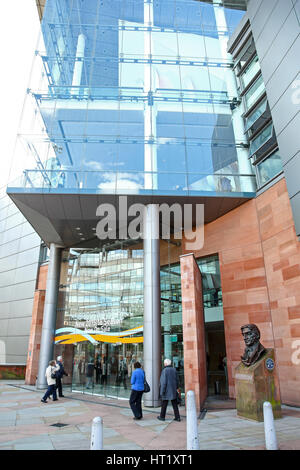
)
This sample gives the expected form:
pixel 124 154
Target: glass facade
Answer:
pixel 134 96
pixel 130 97
pixel 100 315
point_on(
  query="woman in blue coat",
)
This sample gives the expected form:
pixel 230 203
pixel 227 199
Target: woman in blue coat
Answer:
pixel 137 390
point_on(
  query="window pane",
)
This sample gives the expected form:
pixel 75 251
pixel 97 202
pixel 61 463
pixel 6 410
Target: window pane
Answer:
pixel 254 92
pixel 269 168
pixel 256 114
pixel 250 71
pixel 261 139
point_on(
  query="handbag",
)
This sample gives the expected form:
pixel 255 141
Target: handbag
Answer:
pixel 146 386
pixel 178 398
pixel 54 374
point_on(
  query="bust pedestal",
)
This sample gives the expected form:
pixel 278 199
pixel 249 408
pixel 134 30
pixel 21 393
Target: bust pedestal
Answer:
pixel 256 384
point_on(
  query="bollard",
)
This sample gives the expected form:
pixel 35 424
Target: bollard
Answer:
pixel 270 434
pixel 97 434
pixel 192 440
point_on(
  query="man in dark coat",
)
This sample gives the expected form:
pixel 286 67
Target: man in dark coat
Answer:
pixel 168 390
pixel 59 375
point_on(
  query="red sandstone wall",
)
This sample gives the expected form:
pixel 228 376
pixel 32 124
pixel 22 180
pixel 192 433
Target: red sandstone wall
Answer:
pixel 260 273
pixel 281 250
pixel 36 328
pixel 35 337
pixel 193 330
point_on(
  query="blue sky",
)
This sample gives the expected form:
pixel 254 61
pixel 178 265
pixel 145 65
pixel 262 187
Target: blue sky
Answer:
pixel 18 38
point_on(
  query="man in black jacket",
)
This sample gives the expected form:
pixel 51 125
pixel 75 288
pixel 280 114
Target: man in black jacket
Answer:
pixel 59 375
pixel 168 390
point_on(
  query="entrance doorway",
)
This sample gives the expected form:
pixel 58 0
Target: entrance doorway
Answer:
pixel 216 362
pixel 105 369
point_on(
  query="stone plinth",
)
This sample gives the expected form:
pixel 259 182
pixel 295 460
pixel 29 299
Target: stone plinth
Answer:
pixel 256 384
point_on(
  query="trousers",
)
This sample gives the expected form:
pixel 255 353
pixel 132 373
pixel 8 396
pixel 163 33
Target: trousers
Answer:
pixel 135 402
pixel 164 405
pixel 50 391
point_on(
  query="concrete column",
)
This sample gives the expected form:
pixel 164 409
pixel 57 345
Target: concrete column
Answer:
pixel 152 317
pixel 49 318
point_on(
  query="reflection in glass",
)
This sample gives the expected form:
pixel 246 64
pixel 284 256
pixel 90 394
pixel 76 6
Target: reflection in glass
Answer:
pixel 261 139
pixel 102 298
pixel 269 168
pixel 109 83
pixel 251 70
pixel 256 90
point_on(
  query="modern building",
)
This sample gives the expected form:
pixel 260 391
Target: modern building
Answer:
pixel 168 104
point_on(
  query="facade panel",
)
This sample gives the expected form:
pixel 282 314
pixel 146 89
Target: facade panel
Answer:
pixel 280 69
pixel 18 270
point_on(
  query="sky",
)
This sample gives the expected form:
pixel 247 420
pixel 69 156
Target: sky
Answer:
pixel 19 33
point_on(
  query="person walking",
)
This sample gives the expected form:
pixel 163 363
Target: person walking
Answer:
pixel 51 381
pixel 59 375
pixel 90 374
pixel 137 390
pixel 168 390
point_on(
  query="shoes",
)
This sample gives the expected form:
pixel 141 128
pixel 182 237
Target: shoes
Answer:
pixel 160 419
pixel 43 401
pixel 177 419
pixel 61 396
pixel 140 417
pixel 55 399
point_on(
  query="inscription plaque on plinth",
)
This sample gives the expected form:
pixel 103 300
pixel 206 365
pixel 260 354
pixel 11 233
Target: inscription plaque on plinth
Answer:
pixel 256 384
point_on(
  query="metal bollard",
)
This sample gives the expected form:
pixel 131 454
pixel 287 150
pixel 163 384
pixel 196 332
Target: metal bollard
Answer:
pixel 97 434
pixel 270 434
pixel 192 440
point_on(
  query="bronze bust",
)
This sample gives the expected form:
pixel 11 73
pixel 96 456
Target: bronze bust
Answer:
pixel 254 349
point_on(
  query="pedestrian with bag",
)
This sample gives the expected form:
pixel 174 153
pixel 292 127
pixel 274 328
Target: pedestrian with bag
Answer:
pixel 168 389
pixel 137 390
pixel 59 375
pixel 51 381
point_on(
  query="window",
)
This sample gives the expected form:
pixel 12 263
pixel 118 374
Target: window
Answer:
pixel 269 168
pixel 246 53
pixel 261 139
pixel 44 254
pixel 257 113
pixel 254 92
pixel 249 73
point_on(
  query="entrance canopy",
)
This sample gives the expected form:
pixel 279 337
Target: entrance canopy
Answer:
pixel 69 218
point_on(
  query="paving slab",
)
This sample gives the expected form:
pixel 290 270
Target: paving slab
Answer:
pixel 27 424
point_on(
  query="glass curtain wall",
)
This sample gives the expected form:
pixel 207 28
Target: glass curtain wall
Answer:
pixel 134 96
pixel 101 318
pixel 101 315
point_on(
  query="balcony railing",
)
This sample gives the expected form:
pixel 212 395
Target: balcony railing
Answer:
pixel 134 182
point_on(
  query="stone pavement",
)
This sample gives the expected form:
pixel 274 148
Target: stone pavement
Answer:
pixel 28 424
